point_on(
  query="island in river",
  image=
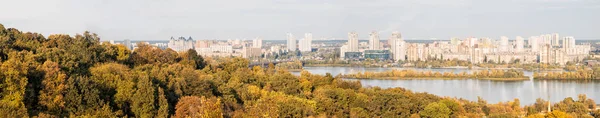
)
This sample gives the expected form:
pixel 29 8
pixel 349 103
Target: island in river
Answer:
pixel 494 74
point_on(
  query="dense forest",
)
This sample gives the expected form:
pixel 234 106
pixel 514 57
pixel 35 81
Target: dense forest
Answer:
pixel 78 76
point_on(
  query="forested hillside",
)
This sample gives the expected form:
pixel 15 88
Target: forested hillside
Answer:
pixel 78 76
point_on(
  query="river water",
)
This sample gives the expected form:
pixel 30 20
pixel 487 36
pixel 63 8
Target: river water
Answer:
pixel 493 91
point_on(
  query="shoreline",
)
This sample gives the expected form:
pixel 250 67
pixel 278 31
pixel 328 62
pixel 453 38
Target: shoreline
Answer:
pixel 439 78
pixel 294 70
pixel 449 67
pixel 568 79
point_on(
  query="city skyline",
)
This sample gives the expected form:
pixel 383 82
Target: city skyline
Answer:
pixel 369 38
pixel 300 58
pixel 158 20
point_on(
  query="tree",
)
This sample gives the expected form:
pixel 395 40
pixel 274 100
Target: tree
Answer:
pixel 557 114
pixel 54 86
pixel 82 97
pixel 192 58
pixel 65 76
pixel 195 107
pixel 14 82
pixel 596 113
pixel 163 105
pixel 455 108
pixel 123 53
pixel 435 110
pixel 358 112
pixel 143 102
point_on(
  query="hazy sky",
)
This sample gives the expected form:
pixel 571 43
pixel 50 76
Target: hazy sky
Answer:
pixel 224 19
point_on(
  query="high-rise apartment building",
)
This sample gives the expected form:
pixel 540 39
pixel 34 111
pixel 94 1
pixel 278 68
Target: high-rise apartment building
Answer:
pixel 291 42
pixel 397 47
pixel 555 39
pixel 546 39
pixel 127 44
pixel 400 54
pixel 257 42
pixel 374 41
pixel 568 42
pixel 551 55
pixel 352 42
pixel 305 44
pixel 471 41
pixel 534 44
pixel 503 44
pixel 392 41
pixel 519 41
pixel 417 51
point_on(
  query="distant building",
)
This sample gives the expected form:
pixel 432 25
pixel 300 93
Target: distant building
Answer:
pixel 555 39
pixel 519 44
pixel 457 56
pixel 127 44
pixel 568 42
pixel 305 44
pixel 353 55
pixel 291 42
pixel 471 41
pixel 181 44
pixel 374 41
pixel 276 49
pixel 507 57
pixel 251 52
pixel 352 42
pixel 503 44
pixel 417 52
pixel 257 42
pixel 397 47
pixel 551 55
pixel 218 50
pixel 534 44
pixel 377 54
pixel 202 44
pixel 343 51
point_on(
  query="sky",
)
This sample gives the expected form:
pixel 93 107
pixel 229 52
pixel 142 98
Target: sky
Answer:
pixel 272 19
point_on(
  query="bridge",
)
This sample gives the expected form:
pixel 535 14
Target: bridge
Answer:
pixel 266 64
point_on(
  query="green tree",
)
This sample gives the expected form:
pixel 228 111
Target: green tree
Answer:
pixel 163 105
pixel 436 110
pixel 143 102
pixel 192 58
pixel 455 108
pixel 14 82
pixel 82 97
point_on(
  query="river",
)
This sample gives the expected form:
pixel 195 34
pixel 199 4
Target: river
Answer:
pixel 493 91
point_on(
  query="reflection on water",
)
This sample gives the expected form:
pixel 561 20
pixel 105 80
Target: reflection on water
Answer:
pixel 492 91
pixel 349 70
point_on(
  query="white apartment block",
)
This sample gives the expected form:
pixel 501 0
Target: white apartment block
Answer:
pixel 305 45
pixel 181 44
pixel 291 42
pixel 257 42
pixel 374 41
